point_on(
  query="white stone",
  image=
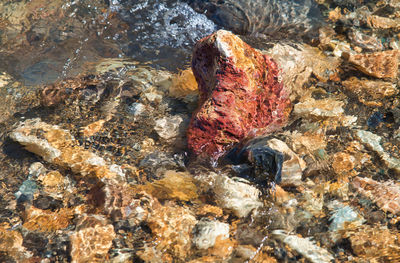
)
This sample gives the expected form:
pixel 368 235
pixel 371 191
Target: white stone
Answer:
pixel 153 97
pixel 137 108
pixel 168 127
pixel 206 232
pixel 36 169
pixel 237 196
pixel 96 161
pixel 304 247
pixel 32 143
pixel 319 108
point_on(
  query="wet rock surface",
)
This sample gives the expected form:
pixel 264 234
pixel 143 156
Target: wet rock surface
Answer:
pixel 240 93
pixel 271 18
pixel 95 165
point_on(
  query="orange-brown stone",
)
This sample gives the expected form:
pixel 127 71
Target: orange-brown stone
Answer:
pixel 383 64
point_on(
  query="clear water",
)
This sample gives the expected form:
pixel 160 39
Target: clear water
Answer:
pixel 61 41
pixel 43 42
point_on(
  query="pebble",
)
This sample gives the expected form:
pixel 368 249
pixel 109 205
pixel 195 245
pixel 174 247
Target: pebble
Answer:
pixel 46 220
pixel 265 162
pixel 169 127
pixel 11 242
pixel 319 108
pixel 293 165
pixel 370 92
pixel 58 146
pixel 343 163
pixel 365 41
pixel 380 22
pixel 174 186
pixel 26 191
pixel 206 232
pixel 184 86
pixel 172 226
pixel 299 62
pixel 55 184
pixel 382 64
pixel 5 79
pixel 136 108
pixel 237 195
pixel 305 247
pixel 386 195
pixel 386 245
pixel 92 240
pixel 342 216
pixel 373 141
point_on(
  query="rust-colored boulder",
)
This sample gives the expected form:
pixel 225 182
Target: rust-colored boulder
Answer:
pixel 241 94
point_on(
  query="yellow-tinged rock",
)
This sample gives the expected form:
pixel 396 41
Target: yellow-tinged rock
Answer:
pixel 92 240
pixel 123 202
pixel 223 248
pixel 369 91
pixel 307 143
pixel 376 244
pixel 382 64
pixel 54 183
pixel 11 244
pixel 280 195
pixel 14 96
pixel 339 189
pixel 183 85
pixel 205 259
pixel 10 240
pixel 5 79
pixel 93 128
pixel 171 227
pixel 210 210
pixel 356 150
pixel 248 253
pixel 174 185
pixel 335 14
pixel 380 22
pixel 58 146
pixel 343 163
pixel 47 221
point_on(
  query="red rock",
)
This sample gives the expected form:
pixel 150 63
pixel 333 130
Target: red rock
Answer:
pixel 241 94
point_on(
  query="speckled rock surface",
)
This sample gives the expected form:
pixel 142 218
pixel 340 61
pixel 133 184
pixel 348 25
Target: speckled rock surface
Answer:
pixel 241 94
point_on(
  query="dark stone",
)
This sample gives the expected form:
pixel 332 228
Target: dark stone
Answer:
pixel 257 162
pixel 35 242
pixel 279 19
pixel 47 202
pixel 375 119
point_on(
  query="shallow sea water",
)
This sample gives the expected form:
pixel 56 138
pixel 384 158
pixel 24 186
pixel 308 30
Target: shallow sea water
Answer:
pixel 103 70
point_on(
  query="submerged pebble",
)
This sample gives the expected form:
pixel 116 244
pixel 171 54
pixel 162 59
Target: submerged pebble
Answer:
pixel 206 232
